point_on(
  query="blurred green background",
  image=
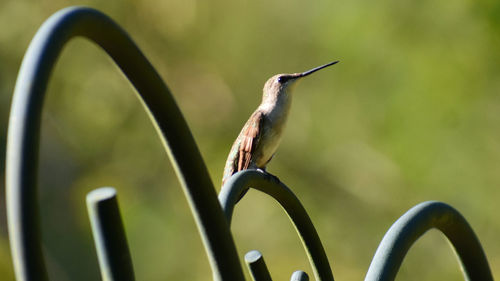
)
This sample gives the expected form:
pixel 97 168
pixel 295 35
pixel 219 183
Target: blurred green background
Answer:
pixel 410 114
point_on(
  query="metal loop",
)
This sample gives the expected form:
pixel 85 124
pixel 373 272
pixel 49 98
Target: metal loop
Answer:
pixel 413 224
pixel 241 181
pixel 24 132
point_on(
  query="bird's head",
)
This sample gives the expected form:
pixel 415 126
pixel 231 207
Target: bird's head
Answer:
pixel 280 85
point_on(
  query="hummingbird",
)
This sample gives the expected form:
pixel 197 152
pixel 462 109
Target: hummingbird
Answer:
pixel 257 142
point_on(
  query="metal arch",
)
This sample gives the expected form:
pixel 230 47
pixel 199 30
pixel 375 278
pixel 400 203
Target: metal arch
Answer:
pixel 266 183
pixel 413 224
pixel 24 129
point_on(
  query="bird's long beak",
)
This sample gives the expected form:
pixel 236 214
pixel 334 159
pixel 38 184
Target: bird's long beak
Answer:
pixel 295 76
pixel 305 73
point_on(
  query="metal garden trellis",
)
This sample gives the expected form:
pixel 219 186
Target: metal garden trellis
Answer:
pixel 212 214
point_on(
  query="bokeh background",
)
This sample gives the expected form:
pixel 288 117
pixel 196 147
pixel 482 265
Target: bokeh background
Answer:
pixel 410 114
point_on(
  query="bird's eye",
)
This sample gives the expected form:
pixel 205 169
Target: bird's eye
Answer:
pixel 282 79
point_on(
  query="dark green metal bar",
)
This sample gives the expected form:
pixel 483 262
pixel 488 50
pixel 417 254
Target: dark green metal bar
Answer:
pixel 115 261
pixel 24 131
pixel 268 184
pixel 299 275
pixel 413 224
pixel 257 266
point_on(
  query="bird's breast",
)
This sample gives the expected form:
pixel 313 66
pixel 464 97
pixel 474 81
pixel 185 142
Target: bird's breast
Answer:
pixel 272 132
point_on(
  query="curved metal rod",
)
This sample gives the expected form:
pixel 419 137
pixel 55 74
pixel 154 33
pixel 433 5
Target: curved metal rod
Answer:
pixel 110 240
pixel 268 184
pixel 24 130
pixel 413 224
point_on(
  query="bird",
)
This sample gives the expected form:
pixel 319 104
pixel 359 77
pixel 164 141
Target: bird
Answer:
pixel 261 135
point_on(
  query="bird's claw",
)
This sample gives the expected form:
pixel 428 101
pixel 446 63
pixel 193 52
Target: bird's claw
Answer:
pixel 269 175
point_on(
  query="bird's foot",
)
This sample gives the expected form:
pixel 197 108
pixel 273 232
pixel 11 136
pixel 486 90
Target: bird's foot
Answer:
pixel 271 176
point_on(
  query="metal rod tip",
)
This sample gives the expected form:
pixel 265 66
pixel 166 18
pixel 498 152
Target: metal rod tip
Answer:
pixel 253 256
pixel 299 275
pixel 101 194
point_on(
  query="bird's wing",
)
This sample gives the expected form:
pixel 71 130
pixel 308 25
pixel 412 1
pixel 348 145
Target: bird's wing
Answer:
pixel 250 136
pixel 244 147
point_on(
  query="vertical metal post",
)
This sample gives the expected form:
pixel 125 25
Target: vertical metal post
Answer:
pixel 299 275
pixel 109 235
pixel 257 266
